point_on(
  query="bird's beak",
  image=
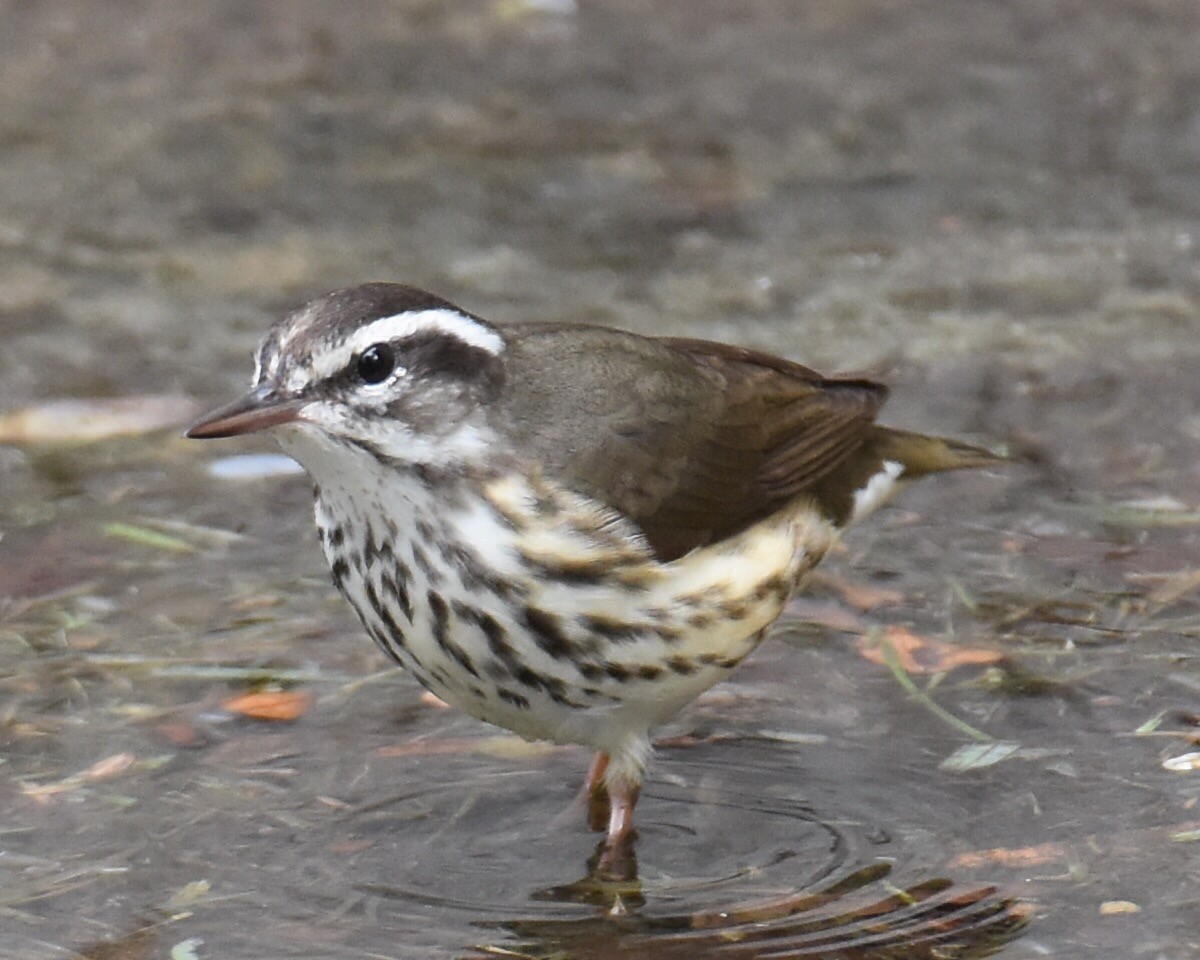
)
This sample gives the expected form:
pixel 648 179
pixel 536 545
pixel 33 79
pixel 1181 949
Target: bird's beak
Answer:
pixel 261 408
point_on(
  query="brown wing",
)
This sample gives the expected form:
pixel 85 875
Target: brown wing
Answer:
pixel 781 428
pixel 692 440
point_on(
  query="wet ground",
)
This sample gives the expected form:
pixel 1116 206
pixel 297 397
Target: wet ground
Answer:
pixel 986 712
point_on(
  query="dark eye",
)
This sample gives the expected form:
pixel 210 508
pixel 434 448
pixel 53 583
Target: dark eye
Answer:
pixel 376 363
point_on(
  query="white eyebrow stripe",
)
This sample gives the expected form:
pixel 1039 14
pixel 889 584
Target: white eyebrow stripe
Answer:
pixel 406 324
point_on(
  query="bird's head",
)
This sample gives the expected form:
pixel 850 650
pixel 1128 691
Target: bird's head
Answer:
pixel 383 368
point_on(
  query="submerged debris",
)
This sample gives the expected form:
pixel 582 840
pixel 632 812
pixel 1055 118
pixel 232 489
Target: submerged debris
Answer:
pixel 84 421
pixel 917 654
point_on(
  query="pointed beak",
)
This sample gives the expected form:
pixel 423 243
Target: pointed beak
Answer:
pixel 259 409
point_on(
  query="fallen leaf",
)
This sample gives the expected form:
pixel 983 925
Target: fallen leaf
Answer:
pixel 917 654
pixel 147 538
pixel 505 748
pixel 1162 502
pixel 109 767
pixel 513 748
pixel 972 756
pixel 100 770
pixel 42 793
pixel 270 704
pixel 1184 763
pixel 790 736
pixel 1151 725
pixel 1112 907
pixel 188 894
pixel 259 602
pixel 83 421
pixel 1011 856
pixel 186 949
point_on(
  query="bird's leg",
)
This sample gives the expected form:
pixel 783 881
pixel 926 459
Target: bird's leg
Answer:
pixel 616 862
pixel 595 793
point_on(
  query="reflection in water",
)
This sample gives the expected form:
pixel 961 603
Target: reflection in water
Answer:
pixel 856 917
pixel 779 882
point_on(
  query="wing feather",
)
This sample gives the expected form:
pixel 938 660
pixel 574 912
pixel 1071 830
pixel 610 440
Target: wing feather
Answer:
pixel 692 440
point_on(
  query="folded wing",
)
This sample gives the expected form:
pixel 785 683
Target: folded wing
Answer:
pixel 693 441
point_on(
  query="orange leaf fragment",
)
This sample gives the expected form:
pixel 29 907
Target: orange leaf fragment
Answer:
pixel 100 770
pixel 1011 856
pixel 917 654
pixel 108 767
pixel 271 704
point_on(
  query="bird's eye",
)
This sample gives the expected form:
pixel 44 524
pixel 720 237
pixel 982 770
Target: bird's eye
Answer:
pixel 376 363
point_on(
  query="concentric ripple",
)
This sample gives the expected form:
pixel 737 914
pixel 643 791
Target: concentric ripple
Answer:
pixel 729 868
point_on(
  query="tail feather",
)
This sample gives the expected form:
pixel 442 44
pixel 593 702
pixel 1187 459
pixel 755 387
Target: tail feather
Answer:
pixel 921 455
pixel 888 460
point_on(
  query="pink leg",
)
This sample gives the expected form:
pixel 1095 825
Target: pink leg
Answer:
pixel 595 777
pixel 595 793
pixel 616 862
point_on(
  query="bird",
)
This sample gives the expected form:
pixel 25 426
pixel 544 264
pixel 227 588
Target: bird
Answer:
pixel 567 530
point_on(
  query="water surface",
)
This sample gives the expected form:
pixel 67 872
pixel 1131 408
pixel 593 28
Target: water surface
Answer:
pixel 994 207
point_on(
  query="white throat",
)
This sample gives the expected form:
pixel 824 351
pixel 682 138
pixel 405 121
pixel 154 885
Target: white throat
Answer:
pixel 338 462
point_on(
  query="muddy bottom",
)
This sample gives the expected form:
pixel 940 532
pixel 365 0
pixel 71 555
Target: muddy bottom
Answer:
pixel 978 729
pixel 978 717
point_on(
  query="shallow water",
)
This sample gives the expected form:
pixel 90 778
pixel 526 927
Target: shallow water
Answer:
pixel 994 207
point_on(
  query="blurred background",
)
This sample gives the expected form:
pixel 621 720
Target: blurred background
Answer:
pixel 994 205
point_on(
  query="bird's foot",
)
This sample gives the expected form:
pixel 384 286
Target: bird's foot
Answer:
pixel 617 862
